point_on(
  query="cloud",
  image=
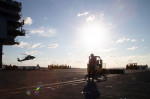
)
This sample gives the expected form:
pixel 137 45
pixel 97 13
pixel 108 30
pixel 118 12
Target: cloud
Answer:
pixel 32 53
pixel 127 39
pixel 133 40
pixel 21 44
pixel 34 45
pixel 142 40
pixel 27 36
pixel 53 46
pixel 37 31
pixel 28 21
pixel 121 40
pixel 82 14
pixel 29 46
pixel 91 18
pixel 132 48
pixel 44 31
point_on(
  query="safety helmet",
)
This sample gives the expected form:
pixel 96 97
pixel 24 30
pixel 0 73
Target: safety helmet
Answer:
pixel 92 55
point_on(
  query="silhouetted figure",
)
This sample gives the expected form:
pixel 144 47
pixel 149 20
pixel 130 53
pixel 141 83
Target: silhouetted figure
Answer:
pixel 92 61
pixel 90 91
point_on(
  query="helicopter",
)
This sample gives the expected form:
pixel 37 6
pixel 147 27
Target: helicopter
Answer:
pixel 28 57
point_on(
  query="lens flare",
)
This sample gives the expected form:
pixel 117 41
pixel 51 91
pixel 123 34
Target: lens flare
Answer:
pixel 36 92
pixel 28 93
pixel 38 88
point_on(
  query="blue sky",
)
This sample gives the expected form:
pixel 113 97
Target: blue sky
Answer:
pixel 68 31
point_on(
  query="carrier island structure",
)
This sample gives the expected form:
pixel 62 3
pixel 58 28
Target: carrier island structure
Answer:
pixel 10 24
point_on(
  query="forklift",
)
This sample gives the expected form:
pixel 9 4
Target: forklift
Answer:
pixel 94 66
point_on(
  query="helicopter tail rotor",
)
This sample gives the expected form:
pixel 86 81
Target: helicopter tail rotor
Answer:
pixel 18 60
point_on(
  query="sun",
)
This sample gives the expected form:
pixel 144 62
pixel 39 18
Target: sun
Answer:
pixel 93 35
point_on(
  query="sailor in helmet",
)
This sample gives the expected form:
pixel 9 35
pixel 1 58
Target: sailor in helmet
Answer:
pixel 92 62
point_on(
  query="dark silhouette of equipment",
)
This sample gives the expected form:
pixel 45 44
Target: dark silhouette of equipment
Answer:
pixel 95 67
pixel 28 57
pixel 53 66
pixel 134 66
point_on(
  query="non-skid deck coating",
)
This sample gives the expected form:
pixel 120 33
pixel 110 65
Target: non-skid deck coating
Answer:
pixel 71 84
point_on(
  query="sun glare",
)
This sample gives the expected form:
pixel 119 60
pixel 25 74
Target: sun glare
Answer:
pixel 93 35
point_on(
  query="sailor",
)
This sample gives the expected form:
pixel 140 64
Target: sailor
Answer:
pixel 92 61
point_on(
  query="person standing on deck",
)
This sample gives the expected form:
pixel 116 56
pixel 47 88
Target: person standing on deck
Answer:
pixel 92 62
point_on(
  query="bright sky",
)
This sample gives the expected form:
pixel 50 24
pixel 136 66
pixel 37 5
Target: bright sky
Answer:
pixel 68 31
